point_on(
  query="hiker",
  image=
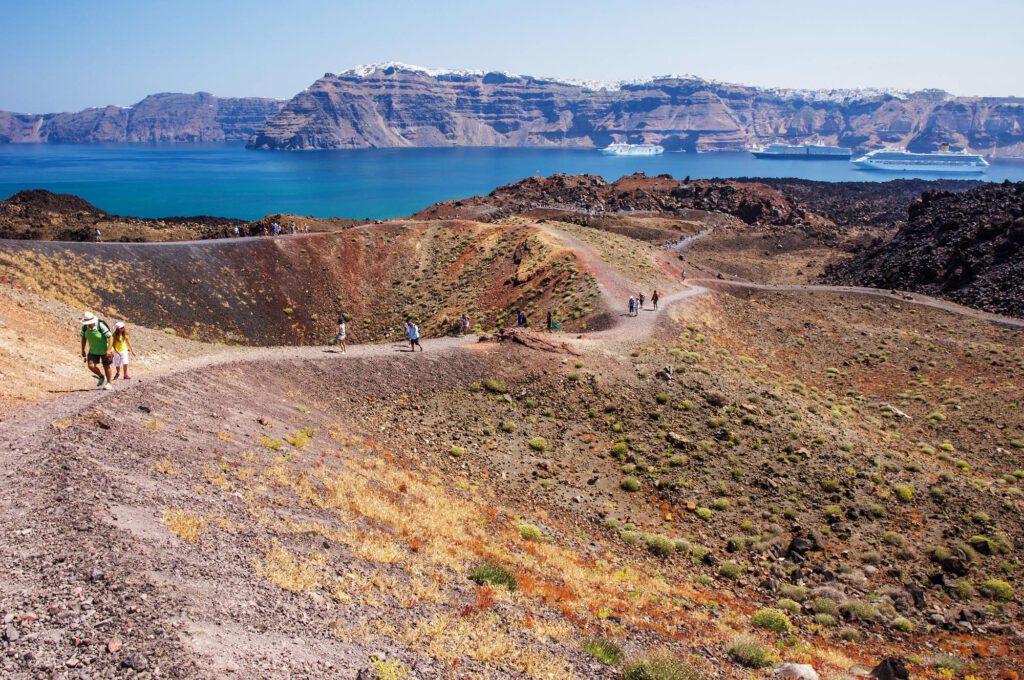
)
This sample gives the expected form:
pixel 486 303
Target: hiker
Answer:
pixel 294 229
pixel 122 348
pixel 654 300
pixel 96 337
pixel 342 334
pixel 632 306
pixel 641 297
pixel 521 321
pixel 235 231
pixel 464 324
pixel 412 331
pixel 97 235
pixel 683 274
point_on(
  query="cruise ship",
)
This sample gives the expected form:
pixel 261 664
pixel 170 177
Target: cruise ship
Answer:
pixel 901 160
pixel 806 152
pixel 623 149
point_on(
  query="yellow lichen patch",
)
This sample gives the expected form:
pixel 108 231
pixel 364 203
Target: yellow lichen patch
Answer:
pixel 484 638
pixel 226 436
pixel 298 573
pixel 185 525
pixel 165 466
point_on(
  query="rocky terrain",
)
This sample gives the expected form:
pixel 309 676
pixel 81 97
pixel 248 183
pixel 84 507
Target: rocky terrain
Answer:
pixel 747 477
pixel 166 117
pixel 965 246
pixel 395 105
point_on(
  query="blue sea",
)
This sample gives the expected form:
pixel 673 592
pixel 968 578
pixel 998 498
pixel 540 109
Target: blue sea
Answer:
pixel 230 181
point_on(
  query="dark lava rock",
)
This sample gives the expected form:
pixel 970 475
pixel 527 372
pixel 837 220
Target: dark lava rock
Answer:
pixel 890 669
pixel 136 661
pixel 966 246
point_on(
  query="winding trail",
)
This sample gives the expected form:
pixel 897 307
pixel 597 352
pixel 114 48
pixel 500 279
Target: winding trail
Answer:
pixel 20 428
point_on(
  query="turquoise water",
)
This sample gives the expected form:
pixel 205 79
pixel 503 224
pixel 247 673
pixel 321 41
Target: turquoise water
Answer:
pixel 228 180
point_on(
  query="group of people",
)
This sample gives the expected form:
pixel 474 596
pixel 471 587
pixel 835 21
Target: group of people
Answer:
pixel 275 229
pixel 637 301
pixel 103 349
pixel 412 333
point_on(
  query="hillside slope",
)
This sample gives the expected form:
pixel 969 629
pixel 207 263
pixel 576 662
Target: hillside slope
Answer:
pixel 290 290
pixel 395 105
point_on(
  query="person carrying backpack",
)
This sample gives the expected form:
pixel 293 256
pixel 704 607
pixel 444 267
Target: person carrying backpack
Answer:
pixel 654 300
pixel 99 341
pixel 412 331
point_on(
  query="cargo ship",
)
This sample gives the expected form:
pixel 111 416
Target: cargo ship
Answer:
pixel 804 152
pixel 623 149
pixel 943 161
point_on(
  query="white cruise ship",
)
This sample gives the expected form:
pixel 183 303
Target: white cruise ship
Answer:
pixel 623 149
pixel 901 160
pixel 804 152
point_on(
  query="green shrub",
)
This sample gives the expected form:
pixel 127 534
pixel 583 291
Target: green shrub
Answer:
pixel 661 398
pixel 660 665
pixel 788 605
pixel 604 650
pixel 748 651
pixel 903 492
pixel 508 426
pixel 529 532
pixel 704 513
pixel 492 573
pixel 538 443
pixel 630 537
pixel 730 570
pixel 798 593
pixel 851 634
pixel 456 451
pixel 662 546
pixel 495 386
pixel 861 611
pixel 824 605
pixel 619 449
pixel 893 538
pixel 771 619
pixel 825 619
pixel 630 484
pixel 997 589
pixel 721 504
pixel 903 625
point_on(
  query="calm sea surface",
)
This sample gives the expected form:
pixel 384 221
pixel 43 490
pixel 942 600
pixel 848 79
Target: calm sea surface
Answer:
pixel 228 180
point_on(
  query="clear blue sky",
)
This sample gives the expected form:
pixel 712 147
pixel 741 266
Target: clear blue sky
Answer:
pixel 60 55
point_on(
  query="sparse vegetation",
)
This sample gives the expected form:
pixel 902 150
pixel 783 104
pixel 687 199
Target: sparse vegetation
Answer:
pixel 659 665
pixel 604 650
pixel 748 651
pixel 530 532
pixel 771 619
pixel 538 443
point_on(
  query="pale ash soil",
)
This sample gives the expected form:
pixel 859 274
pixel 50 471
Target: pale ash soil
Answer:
pixel 98 587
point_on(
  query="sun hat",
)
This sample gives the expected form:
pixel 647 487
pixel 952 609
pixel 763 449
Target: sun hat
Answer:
pixel 119 324
pixel 88 319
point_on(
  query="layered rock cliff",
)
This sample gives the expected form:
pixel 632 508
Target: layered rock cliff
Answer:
pixel 394 105
pixel 168 117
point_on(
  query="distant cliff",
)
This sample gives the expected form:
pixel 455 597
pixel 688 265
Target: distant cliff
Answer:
pixel 394 105
pixel 199 117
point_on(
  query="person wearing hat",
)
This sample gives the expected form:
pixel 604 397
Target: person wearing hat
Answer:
pixel 97 348
pixel 122 348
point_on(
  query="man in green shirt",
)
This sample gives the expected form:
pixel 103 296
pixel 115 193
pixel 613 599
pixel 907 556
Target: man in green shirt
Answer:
pixel 98 340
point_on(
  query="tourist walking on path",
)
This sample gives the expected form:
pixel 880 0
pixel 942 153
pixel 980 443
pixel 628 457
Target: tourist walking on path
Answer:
pixel 122 348
pixel 642 299
pixel 342 334
pixel 632 306
pixel 97 348
pixel 521 321
pixel 654 300
pixel 464 324
pixel 412 331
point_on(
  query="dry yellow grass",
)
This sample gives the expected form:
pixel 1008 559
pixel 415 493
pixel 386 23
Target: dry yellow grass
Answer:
pixel 298 573
pixel 185 525
pixel 165 466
